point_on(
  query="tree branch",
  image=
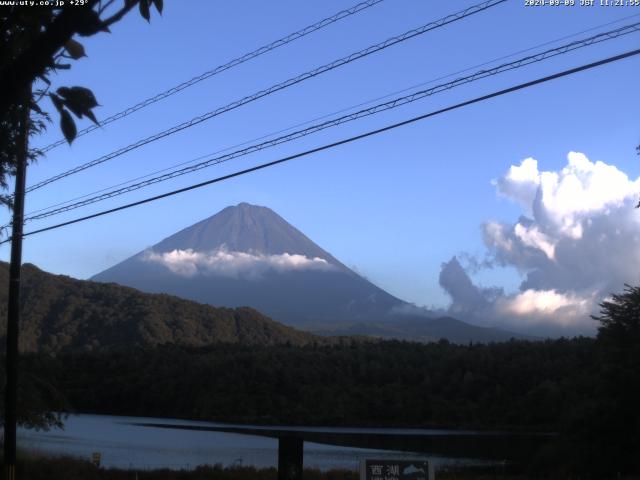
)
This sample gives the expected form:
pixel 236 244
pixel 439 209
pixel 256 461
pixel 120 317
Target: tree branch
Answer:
pixel 121 13
pixel 35 60
pixel 105 6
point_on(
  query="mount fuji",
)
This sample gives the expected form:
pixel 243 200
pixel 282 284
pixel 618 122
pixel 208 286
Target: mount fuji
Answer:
pixel 247 255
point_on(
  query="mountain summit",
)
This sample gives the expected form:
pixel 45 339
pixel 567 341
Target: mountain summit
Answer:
pixel 245 228
pixel 248 255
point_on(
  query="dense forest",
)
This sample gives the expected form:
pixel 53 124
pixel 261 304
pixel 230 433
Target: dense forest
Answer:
pixel 507 385
pixel 64 314
pixel 564 386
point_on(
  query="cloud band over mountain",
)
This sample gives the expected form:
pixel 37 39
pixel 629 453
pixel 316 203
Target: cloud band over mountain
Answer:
pixel 223 262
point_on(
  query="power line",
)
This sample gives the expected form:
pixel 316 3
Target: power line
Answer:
pixel 397 102
pixel 370 133
pixel 277 87
pixel 322 117
pixel 221 68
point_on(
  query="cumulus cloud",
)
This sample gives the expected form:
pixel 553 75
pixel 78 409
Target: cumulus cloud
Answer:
pixel 541 306
pixel 189 263
pixel 577 241
pixel 467 298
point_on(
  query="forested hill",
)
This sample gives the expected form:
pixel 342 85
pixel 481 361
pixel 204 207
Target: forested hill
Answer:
pixel 64 314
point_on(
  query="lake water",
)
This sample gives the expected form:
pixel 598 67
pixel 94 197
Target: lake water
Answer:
pixel 124 445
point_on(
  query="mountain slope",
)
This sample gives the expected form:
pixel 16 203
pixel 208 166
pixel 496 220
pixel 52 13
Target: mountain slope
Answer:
pixel 62 314
pixel 215 261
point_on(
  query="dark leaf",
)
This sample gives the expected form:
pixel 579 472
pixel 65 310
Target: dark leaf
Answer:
pixel 75 49
pixel 44 79
pixel 35 107
pixel 91 23
pixel 68 126
pixel 81 94
pixel 62 66
pixel 144 10
pixel 64 91
pixel 159 5
pixel 92 117
pixel 74 108
pixel 79 100
pixel 57 102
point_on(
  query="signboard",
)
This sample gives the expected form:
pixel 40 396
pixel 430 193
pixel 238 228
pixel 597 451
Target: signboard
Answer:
pixel 389 469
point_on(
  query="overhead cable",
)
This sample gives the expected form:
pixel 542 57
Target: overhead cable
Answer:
pixel 275 88
pixel 221 68
pixel 370 133
pixel 389 105
pixel 328 115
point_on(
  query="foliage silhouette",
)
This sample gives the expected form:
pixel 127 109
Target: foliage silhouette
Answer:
pixel 36 41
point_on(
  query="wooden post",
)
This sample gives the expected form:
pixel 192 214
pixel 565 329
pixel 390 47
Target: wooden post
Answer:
pixel 13 302
pixel 290 453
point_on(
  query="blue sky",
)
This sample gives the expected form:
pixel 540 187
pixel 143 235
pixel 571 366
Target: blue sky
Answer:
pixel 396 206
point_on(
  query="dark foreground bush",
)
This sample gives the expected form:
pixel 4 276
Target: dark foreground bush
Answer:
pixel 37 467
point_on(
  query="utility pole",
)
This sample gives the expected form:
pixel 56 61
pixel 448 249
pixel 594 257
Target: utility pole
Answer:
pixel 15 269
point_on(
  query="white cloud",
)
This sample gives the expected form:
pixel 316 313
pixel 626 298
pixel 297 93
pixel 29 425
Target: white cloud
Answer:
pixel 533 237
pixel 564 199
pixel 189 263
pixel 520 183
pixel 546 306
pixel 577 241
